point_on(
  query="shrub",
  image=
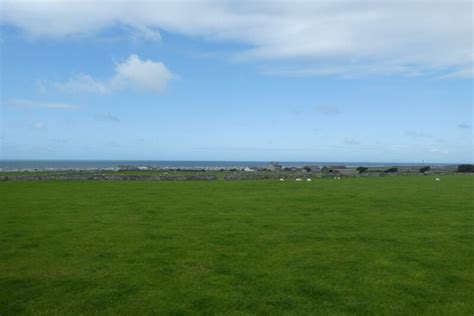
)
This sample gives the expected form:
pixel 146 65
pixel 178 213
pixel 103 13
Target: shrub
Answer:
pixel 425 169
pixel 466 168
pixel 362 169
pixel 391 170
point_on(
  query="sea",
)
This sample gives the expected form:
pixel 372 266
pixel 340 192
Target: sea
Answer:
pixel 9 165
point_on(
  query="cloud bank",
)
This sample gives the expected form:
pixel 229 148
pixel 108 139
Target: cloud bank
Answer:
pixel 143 74
pixel 318 38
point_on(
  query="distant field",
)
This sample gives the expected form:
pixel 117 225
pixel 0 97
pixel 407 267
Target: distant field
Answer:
pixel 388 245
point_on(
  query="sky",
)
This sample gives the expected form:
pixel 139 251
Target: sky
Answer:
pixel 334 81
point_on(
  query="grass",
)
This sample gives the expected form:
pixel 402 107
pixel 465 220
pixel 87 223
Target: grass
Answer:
pixel 393 245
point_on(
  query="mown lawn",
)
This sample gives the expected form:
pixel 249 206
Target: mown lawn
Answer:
pixel 393 245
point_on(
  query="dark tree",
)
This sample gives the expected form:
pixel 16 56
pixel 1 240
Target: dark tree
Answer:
pixel 466 168
pixel 391 170
pixel 306 168
pixel 425 169
pixel 362 169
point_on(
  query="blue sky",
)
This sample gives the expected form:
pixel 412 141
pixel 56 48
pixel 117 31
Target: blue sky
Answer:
pixel 243 81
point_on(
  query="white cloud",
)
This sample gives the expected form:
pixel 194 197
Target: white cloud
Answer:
pixel 41 87
pixel 332 37
pixel 351 141
pixel 107 117
pixel 327 109
pixel 466 72
pixel 150 75
pixel 145 74
pixel 416 134
pixel 82 83
pixel 41 126
pixel 439 151
pixel 23 103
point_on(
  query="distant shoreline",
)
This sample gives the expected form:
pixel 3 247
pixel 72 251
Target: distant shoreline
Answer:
pixel 269 171
pixel 91 165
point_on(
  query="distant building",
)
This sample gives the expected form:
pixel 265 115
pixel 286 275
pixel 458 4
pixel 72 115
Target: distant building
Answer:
pixel 247 169
pixel 127 168
pixel 145 167
pixel 274 166
pixel 133 168
pixel 312 168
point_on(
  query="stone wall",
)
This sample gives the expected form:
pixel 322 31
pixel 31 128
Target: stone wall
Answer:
pixel 106 177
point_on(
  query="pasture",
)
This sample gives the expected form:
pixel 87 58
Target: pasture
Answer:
pixel 367 246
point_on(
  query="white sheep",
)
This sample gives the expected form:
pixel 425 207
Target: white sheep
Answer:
pixel 438 179
pixel 298 179
pixel 281 179
pixel 309 180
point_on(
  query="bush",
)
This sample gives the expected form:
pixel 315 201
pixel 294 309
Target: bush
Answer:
pixel 466 168
pixel 391 170
pixel 307 169
pixel 362 169
pixel 424 169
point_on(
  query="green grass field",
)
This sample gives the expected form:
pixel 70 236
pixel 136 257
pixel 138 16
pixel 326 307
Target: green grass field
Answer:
pixel 390 245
